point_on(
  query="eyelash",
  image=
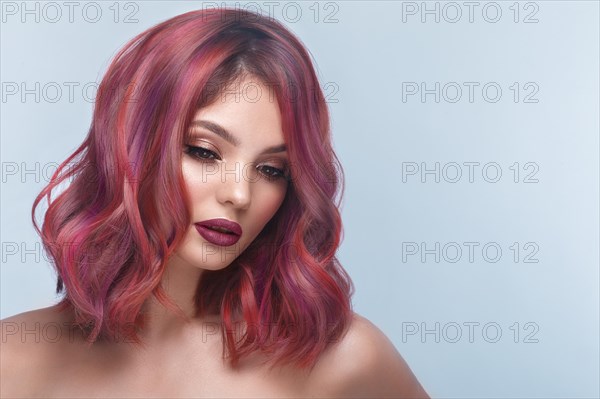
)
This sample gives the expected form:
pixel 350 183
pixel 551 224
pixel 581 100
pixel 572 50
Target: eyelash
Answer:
pixel 196 151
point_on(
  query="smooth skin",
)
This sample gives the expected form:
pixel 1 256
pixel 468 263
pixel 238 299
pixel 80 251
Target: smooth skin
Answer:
pixel 42 357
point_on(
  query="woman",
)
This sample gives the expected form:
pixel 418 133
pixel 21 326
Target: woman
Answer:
pixel 196 243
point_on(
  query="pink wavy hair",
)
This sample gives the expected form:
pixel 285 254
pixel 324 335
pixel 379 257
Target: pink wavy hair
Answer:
pixel 111 231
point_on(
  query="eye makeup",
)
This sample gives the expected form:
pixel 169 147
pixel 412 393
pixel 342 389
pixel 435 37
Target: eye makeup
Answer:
pixel 220 131
pixel 278 171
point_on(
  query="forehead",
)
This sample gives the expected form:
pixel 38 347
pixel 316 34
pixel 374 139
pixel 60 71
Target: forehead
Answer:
pixel 247 109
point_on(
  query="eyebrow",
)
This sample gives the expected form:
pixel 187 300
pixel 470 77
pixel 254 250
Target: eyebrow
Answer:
pixel 225 135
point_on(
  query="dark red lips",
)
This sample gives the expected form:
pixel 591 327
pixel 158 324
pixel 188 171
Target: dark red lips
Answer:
pixel 229 237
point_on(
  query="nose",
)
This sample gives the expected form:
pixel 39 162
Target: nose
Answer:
pixel 234 188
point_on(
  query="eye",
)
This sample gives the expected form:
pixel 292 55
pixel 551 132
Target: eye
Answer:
pixel 200 153
pixel 272 173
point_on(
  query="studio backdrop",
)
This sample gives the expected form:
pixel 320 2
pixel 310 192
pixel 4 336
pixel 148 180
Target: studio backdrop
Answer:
pixel 469 137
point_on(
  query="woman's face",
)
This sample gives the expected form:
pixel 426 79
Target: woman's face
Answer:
pixel 241 179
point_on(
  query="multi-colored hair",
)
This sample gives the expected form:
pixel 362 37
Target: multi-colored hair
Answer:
pixel 111 231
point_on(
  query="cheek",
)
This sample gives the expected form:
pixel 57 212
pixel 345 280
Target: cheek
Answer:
pixel 267 201
pixel 192 175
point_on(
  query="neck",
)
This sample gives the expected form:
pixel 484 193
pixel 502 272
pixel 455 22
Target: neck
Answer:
pixel 179 282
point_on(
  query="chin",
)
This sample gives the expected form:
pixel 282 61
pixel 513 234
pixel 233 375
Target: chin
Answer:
pixel 207 256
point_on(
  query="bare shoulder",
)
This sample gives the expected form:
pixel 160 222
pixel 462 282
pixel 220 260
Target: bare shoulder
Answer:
pixel 28 346
pixel 33 327
pixel 364 363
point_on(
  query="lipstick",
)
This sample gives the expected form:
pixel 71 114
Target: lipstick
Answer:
pixel 220 232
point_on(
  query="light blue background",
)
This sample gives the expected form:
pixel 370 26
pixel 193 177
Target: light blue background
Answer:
pixel 362 60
